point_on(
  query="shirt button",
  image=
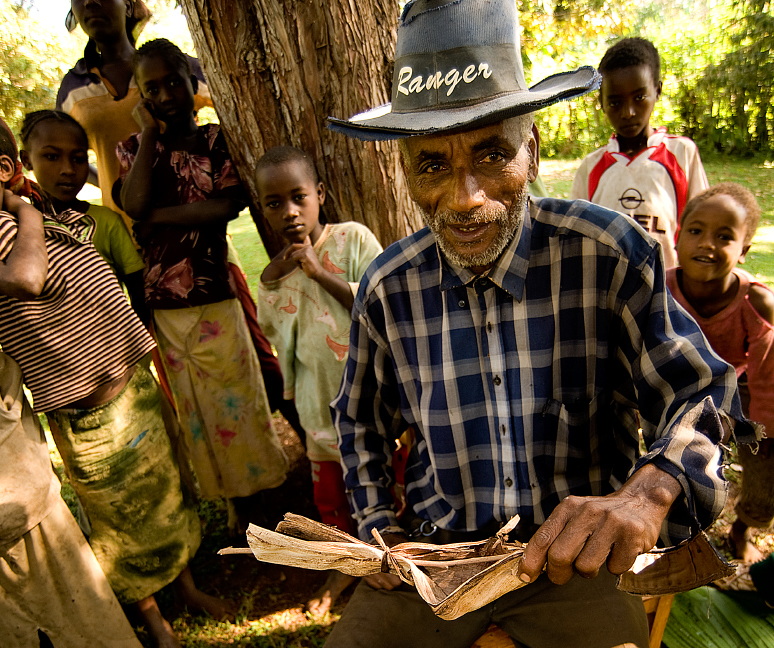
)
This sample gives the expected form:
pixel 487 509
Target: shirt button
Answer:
pixel 509 482
pixel 461 303
pixel 489 326
pixel 502 429
pixel 496 380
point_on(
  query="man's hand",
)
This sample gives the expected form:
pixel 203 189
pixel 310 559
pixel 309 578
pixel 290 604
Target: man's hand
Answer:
pixel 584 533
pixel 387 581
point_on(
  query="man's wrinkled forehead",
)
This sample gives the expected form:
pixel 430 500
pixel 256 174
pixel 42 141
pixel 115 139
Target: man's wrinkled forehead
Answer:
pixel 511 133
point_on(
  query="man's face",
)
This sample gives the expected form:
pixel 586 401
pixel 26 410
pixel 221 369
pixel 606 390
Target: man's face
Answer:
pixel 472 188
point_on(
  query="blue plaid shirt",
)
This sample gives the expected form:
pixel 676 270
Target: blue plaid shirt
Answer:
pixel 522 385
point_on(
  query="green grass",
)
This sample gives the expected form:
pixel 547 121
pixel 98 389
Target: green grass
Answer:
pixel 252 254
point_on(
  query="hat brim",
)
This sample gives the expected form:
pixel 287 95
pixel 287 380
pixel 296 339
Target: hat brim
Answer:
pixel 383 124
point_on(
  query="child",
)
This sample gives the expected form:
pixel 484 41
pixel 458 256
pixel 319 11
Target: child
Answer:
pixel 56 150
pixel 181 187
pixel 736 313
pixel 66 322
pixel 304 303
pixel 64 595
pixel 642 172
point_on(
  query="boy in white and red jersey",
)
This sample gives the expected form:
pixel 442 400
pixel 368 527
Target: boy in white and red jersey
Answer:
pixel 643 172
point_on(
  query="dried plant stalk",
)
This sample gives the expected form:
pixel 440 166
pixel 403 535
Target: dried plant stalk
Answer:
pixel 457 578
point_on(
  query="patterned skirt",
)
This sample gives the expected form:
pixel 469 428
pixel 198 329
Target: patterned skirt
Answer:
pixel 216 380
pixel 120 463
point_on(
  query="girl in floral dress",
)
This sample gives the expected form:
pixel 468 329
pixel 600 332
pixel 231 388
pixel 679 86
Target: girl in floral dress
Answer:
pixel 182 189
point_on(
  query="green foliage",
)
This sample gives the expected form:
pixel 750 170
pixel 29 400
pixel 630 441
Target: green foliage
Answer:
pixel 32 63
pixel 34 58
pixel 718 81
pixel 731 101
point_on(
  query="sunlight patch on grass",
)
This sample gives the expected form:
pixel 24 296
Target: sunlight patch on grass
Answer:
pixel 279 630
pixel 760 259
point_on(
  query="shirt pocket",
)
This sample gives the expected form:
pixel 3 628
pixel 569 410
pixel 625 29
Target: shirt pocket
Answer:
pixel 572 435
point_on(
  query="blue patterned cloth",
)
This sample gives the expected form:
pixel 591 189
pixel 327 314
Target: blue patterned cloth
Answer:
pixel 523 386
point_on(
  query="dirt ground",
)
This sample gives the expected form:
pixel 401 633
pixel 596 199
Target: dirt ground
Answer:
pixel 263 590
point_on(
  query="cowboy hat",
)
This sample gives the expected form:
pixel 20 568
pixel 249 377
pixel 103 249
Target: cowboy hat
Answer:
pixel 458 64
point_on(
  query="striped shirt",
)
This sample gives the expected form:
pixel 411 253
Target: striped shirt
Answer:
pixel 523 385
pixel 81 332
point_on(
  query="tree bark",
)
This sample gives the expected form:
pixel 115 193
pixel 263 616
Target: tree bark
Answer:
pixel 277 69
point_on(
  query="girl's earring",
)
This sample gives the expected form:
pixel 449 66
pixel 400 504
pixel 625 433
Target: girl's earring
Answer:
pixel 71 22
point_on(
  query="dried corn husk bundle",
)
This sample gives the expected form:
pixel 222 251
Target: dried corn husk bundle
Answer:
pixel 457 578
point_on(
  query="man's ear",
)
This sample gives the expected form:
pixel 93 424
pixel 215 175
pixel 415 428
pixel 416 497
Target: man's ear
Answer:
pixel 25 160
pixel 194 83
pixel 7 169
pixel 533 146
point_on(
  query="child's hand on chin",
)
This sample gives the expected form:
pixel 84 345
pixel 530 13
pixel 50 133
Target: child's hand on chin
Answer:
pixel 143 115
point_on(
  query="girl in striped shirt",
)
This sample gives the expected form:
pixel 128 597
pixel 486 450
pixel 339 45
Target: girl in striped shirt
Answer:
pixel 67 323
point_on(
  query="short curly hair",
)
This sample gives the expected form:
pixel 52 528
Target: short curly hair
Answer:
pixel 743 197
pixel 631 52
pixel 33 119
pixel 165 50
pixel 278 155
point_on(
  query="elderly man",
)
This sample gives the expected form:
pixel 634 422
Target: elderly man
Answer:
pixel 518 338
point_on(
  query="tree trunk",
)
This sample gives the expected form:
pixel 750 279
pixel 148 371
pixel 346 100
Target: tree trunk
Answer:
pixel 277 69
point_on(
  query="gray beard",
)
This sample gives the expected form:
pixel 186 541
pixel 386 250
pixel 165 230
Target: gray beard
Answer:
pixel 509 220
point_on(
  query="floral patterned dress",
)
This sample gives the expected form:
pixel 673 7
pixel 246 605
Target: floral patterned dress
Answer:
pixel 200 328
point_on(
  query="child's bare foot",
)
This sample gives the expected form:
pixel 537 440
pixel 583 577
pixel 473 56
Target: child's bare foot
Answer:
pixel 326 596
pixel 196 600
pixel 156 625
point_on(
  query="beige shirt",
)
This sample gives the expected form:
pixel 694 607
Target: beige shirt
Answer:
pixel 28 486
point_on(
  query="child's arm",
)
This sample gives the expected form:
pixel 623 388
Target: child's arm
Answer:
pixel 137 186
pixel 196 213
pixel 25 269
pixel 135 286
pixel 278 267
pixel 760 361
pixel 303 255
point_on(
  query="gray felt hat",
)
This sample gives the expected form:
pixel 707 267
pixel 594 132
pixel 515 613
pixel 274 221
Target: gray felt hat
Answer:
pixel 458 64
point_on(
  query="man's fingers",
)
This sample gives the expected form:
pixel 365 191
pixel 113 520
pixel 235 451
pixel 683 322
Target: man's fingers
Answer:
pixel 536 553
pixel 622 558
pixel 575 540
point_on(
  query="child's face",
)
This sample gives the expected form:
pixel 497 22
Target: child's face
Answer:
pixel 58 154
pixel 712 239
pixel 628 98
pixel 170 90
pixel 291 201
